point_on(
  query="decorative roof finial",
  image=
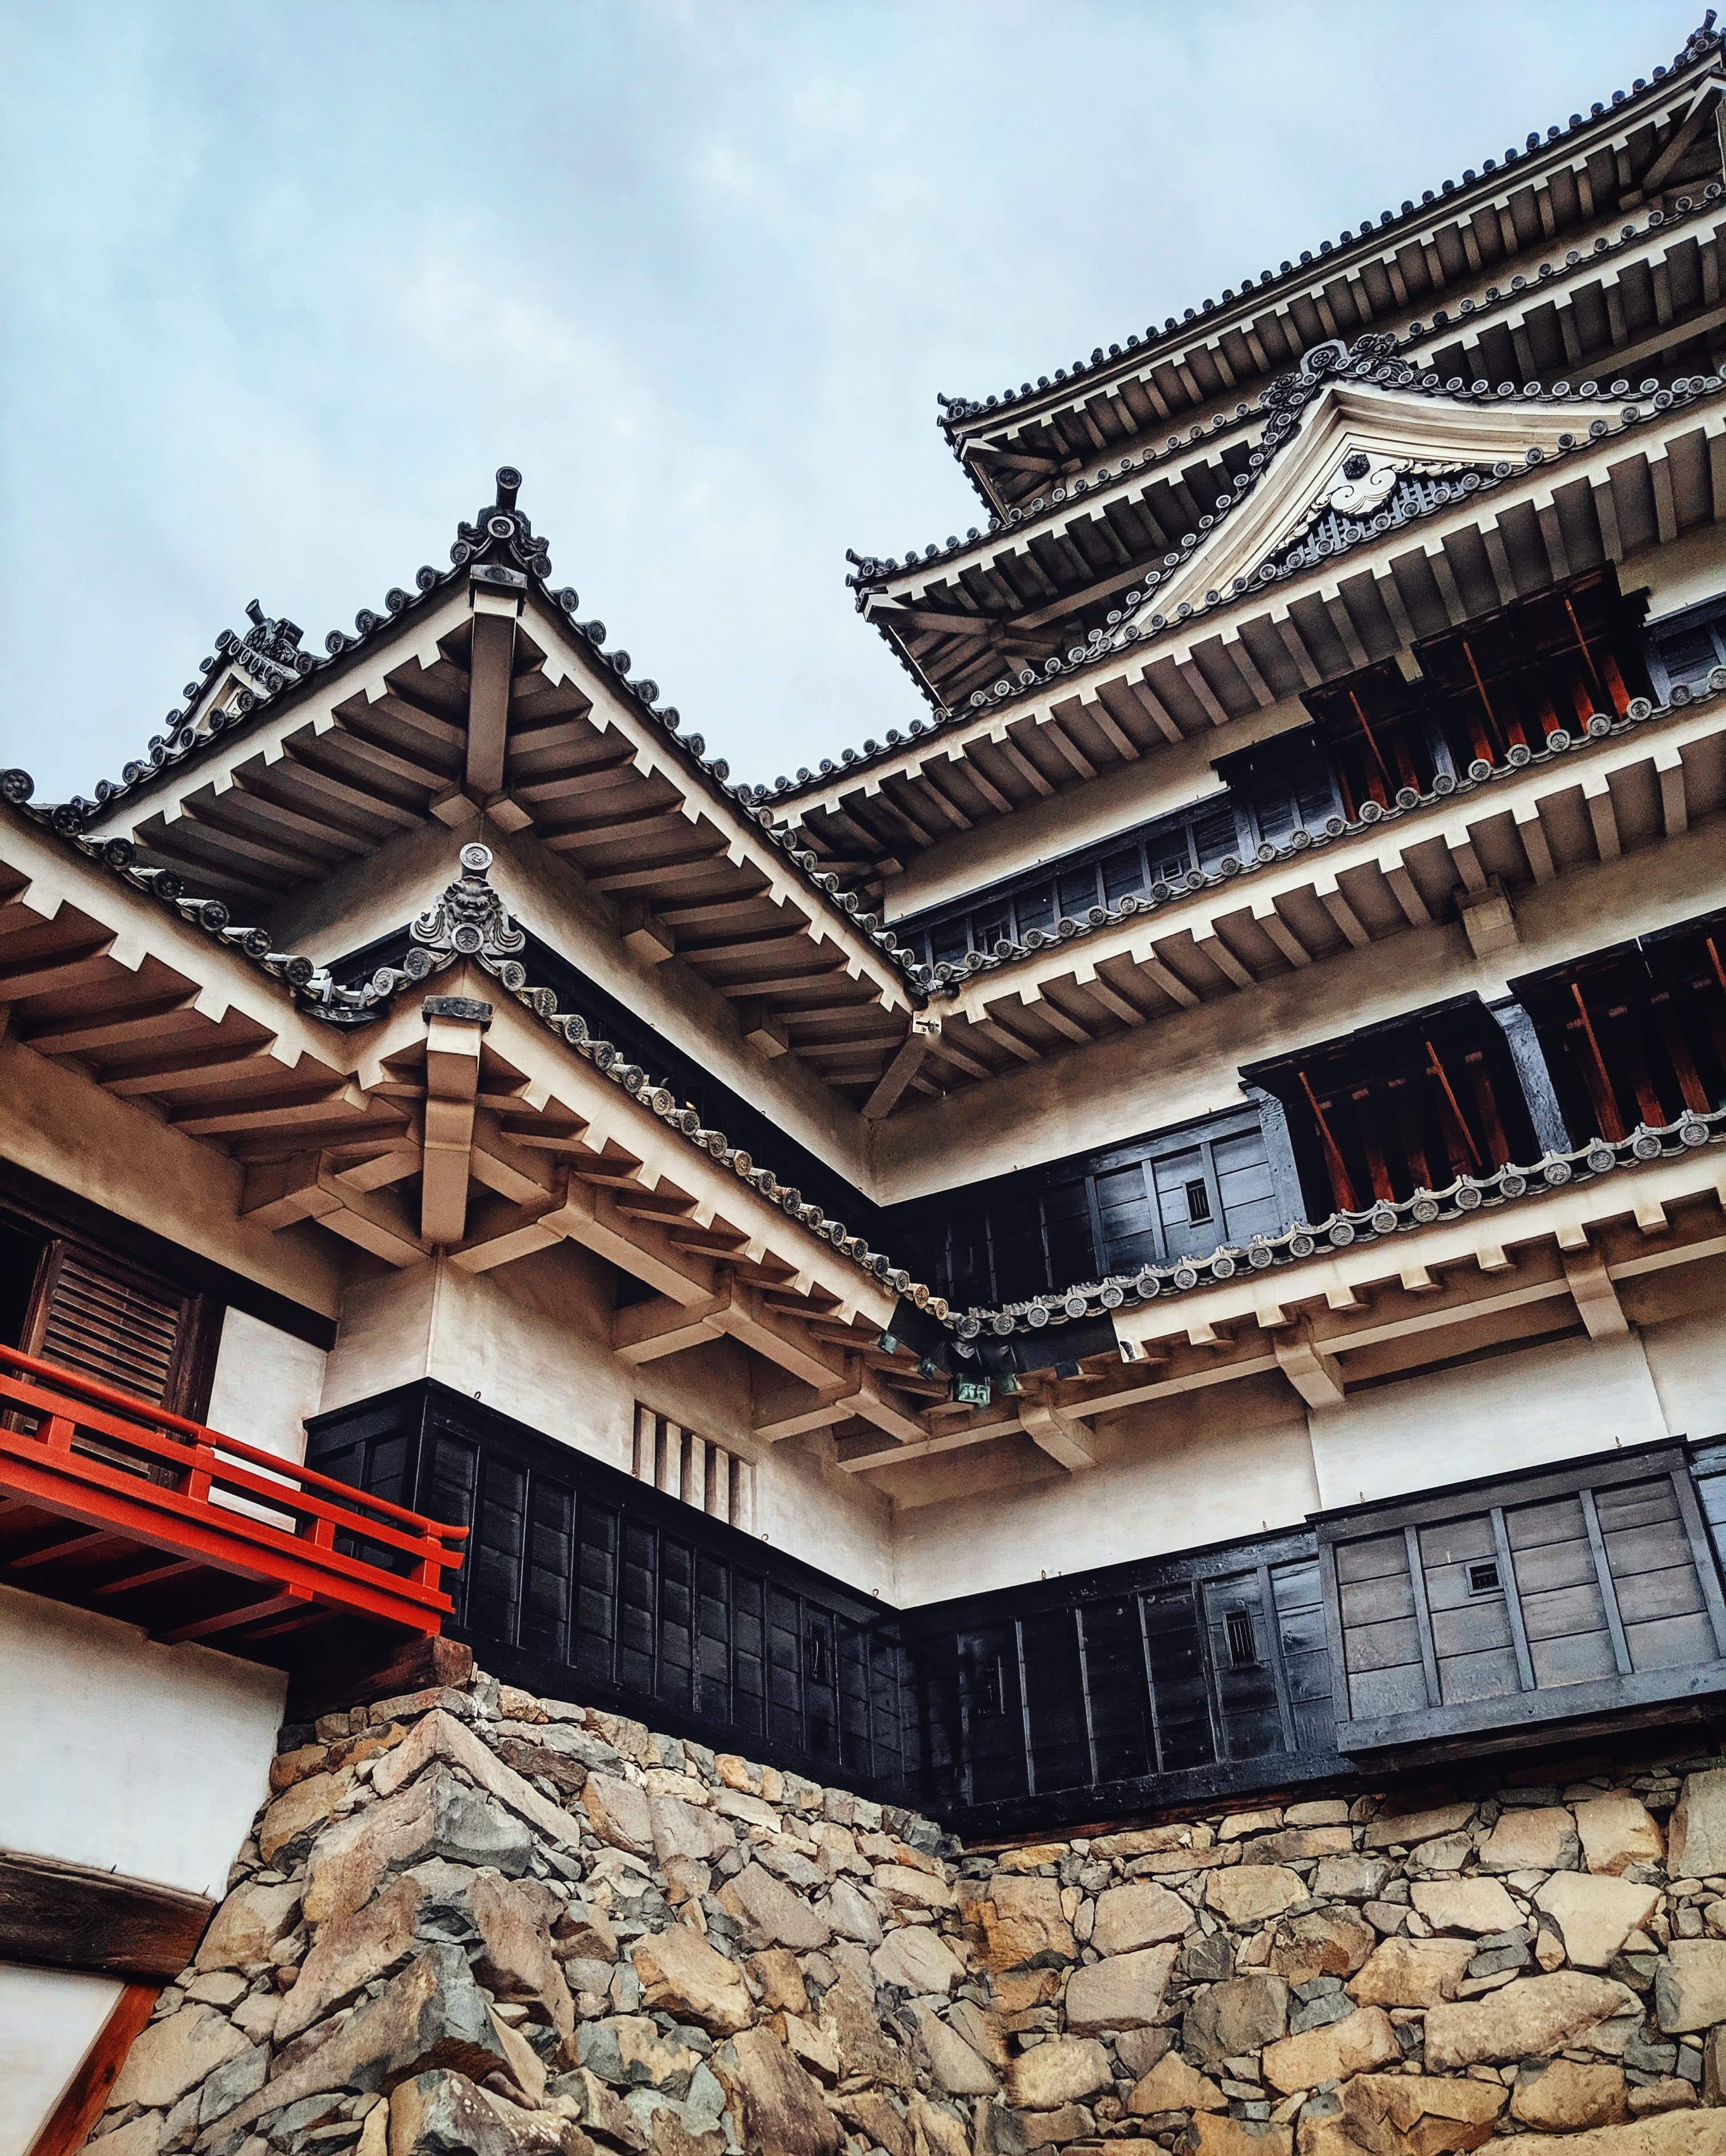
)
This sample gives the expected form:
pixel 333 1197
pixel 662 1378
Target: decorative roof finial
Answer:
pixel 469 920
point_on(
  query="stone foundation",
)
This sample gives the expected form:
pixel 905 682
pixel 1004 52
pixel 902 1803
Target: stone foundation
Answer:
pixel 472 1920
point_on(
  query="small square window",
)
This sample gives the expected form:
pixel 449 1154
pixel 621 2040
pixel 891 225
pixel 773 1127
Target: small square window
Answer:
pixel 1243 1646
pixel 1198 1200
pixel 1483 1578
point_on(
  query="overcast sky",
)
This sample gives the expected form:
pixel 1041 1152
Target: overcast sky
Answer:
pixel 286 283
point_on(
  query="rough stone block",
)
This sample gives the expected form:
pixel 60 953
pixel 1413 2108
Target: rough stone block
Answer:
pixel 1405 1971
pixel 443 2114
pixel 1365 2040
pixel 432 2015
pixel 1690 1986
pixel 681 1974
pixel 248 1925
pixel 348 1952
pixel 440 1736
pixel 1699 1827
pixel 1020 1923
pixel 917 1959
pixel 1322 1943
pixel 906 1888
pixel 1234 2017
pixel 627 2051
pixel 232 2083
pixel 849 1915
pixel 1594 1913
pixel 1564 2095
pixel 438 1816
pixel 307 1804
pixel 1214 2133
pixel 1296 1845
pixel 681 1829
pixel 618 1814
pixel 1350 1878
pixel 174 2055
pixel 770 1909
pixel 955 2067
pixel 1062 2070
pixel 1407 1830
pixel 1172 2085
pixel 1528 2017
pixel 1419 2114
pixel 1678 2134
pixel 1616 1831
pixel 1123 1992
pixel 1252 1893
pixel 1479 1905
pixel 782 2105
pixel 1142 1914
pixel 1537 1838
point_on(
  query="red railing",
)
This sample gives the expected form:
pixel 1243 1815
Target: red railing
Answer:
pixel 217 1509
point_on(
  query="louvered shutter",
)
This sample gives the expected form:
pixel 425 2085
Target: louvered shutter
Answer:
pixel 100 1315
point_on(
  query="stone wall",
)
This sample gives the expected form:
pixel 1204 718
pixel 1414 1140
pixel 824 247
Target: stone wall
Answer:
pixel 471 1920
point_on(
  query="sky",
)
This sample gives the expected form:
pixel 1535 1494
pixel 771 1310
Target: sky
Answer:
pixel 284 281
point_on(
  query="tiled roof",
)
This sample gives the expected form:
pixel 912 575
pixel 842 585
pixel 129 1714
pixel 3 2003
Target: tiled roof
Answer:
pixel 1702 42
pixel 500 538
pixel 1370 361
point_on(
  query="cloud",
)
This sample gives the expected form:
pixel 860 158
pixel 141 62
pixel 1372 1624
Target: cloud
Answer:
pixel 289 280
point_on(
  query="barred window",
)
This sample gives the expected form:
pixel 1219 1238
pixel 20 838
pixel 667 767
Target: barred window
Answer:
pixel 683 1465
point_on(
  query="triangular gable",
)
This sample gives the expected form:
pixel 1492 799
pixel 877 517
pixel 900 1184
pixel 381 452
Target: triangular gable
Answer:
pixel 1350 457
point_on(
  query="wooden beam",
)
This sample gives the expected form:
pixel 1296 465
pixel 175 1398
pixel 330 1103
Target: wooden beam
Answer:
pixel 70 2123
pixel 124 1027
pixel 1059 1434
pixel 1595 1297
pixel 454 1026
pixel 56 1915
pixel 925 1032
pixel 491 667
pixel 1316 1376
pixel 645 1331
pixel 304 1187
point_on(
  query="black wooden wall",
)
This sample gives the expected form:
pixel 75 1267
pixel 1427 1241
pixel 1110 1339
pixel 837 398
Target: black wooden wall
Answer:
pixel 1167 1681
pixel 581 1582
pixel 1588 1589
pixel 1573 1595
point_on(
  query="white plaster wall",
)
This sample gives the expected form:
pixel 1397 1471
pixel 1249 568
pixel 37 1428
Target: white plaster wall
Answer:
pixel 1550 1402
pixel 122 1753
pixel 266 1383
pixel 1687 1357
pixel 48 2019
pixel 1678 574
pixel 1182 1476
pixel 64 1127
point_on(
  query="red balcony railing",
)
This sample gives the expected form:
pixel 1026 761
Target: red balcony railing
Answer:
pixel 115 1505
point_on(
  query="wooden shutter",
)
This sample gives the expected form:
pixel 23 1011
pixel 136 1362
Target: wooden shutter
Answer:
pixel 98 1314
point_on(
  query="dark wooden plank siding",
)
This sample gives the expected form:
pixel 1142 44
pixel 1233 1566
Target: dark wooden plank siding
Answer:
pixel 587 1584
pixel 1590 1581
